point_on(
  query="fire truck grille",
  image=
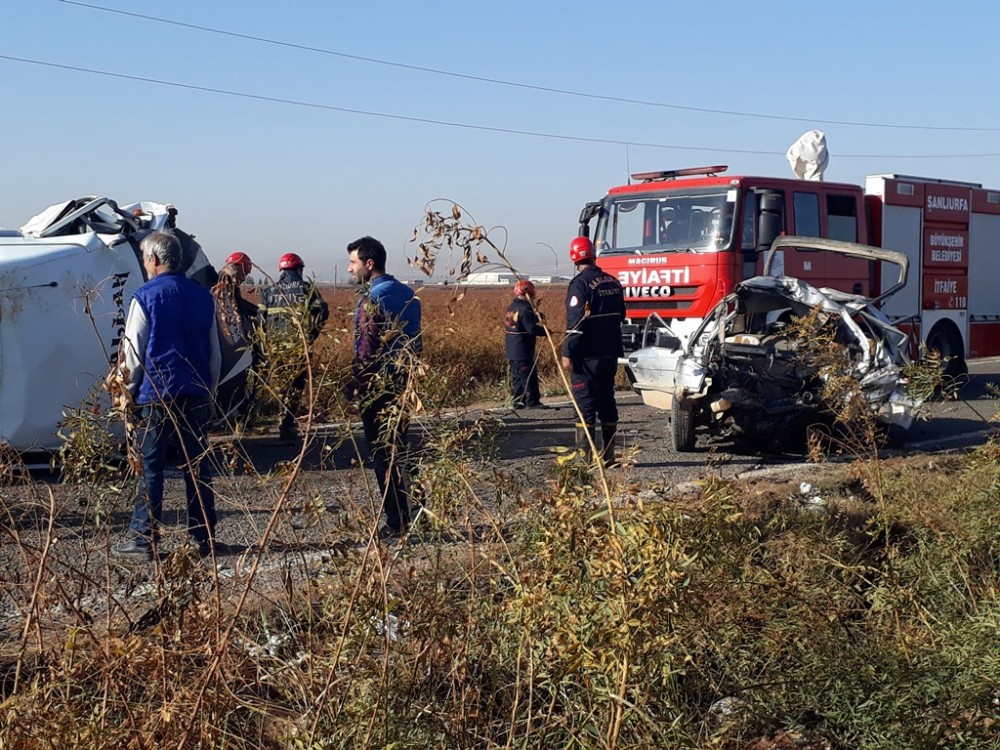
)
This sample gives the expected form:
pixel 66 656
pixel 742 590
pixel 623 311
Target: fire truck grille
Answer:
pixel 662 304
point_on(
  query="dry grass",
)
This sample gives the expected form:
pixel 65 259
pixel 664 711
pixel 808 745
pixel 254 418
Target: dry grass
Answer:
pixel 463 339
pixel 530 618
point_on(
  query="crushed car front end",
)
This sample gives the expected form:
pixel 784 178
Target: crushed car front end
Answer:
pixel 777 354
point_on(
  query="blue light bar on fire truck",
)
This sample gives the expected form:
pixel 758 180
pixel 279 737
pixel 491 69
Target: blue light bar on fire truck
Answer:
pixel 670 174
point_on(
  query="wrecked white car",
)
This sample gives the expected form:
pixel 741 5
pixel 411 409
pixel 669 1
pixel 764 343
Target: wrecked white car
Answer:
pixel 67 277
pixel 749 370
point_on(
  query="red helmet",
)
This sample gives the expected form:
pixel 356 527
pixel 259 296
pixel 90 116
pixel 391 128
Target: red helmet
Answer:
pixel 580 249
pixel 524 288
pixel 288 261
pixel 242 260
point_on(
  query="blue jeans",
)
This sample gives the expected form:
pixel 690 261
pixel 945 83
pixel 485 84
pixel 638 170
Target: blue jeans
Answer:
pixel 185 418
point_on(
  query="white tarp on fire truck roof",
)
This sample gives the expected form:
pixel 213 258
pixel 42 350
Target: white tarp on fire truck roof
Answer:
pixel 808 156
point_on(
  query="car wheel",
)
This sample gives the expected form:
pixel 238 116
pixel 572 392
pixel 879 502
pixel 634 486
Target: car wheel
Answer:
pixel 682 427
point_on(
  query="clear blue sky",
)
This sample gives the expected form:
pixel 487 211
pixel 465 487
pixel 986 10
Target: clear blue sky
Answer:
pixel 266 177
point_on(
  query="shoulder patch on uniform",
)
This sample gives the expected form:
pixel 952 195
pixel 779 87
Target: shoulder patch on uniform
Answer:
pixel 573 301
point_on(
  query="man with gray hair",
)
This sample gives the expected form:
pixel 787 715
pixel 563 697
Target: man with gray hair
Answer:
pixel 170 365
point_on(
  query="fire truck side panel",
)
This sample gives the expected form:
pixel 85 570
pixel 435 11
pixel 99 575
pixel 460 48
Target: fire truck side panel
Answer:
pixel 951 232
pixel 984 282
pixel 900 230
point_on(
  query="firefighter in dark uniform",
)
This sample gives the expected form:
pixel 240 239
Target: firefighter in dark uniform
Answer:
pixel 522 327
pixel 595 310
pixel 292 306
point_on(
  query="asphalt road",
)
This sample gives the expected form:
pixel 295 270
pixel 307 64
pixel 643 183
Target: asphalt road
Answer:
pixel 529 439
pixel 951 424
pixel 969 419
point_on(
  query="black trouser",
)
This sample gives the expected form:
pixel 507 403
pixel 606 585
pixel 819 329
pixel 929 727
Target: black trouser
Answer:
pixel 292 397
pixel 385 433
pixel 593 382
pixel 524 382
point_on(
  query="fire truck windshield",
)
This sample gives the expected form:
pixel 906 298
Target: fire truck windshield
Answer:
pixel 698 221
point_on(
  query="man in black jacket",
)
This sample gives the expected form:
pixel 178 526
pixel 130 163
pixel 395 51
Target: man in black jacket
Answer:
pixel 522 327
pixel 595 311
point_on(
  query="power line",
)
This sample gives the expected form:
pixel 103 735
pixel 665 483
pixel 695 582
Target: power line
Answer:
pixel 528 86
pixel 447 123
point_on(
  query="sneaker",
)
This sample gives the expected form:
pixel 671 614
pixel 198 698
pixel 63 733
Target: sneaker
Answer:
pixel 537 405
pixel 133 550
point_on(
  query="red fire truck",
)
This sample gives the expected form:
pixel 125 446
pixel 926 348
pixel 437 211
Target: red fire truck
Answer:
pixel 679 240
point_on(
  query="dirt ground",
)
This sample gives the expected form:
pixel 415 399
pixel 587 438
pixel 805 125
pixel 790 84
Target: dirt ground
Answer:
pixel 286 512
pixel 277 524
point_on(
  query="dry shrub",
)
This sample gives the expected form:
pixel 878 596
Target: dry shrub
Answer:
pixel 524 617
pixel 463 342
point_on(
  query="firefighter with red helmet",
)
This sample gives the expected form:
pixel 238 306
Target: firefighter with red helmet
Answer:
pixel 293 306
pixel 522 326
pixel 236 319
pixel 595 311
pixel 234 273
pixel 238 266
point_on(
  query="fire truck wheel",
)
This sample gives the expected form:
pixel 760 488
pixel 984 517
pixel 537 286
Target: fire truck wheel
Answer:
pixel 682 427
pixel 948 343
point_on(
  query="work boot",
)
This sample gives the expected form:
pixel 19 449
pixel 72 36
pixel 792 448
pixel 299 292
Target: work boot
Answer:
pixel 609 433
pixel 287 430
pixel 584 439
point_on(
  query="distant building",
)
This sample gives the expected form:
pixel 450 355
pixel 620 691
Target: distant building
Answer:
pixel 491 278
pixel 506 278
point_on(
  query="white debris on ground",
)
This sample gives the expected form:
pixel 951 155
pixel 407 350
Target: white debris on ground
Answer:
pixel 810 500
pixel 391 626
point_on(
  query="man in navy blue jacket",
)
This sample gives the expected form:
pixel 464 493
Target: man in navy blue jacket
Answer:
pixel 386 338
pixel 595 311
pixel 170 368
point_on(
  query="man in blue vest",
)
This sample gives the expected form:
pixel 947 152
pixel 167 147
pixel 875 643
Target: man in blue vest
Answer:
pixel 170 369
pixel 386 338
